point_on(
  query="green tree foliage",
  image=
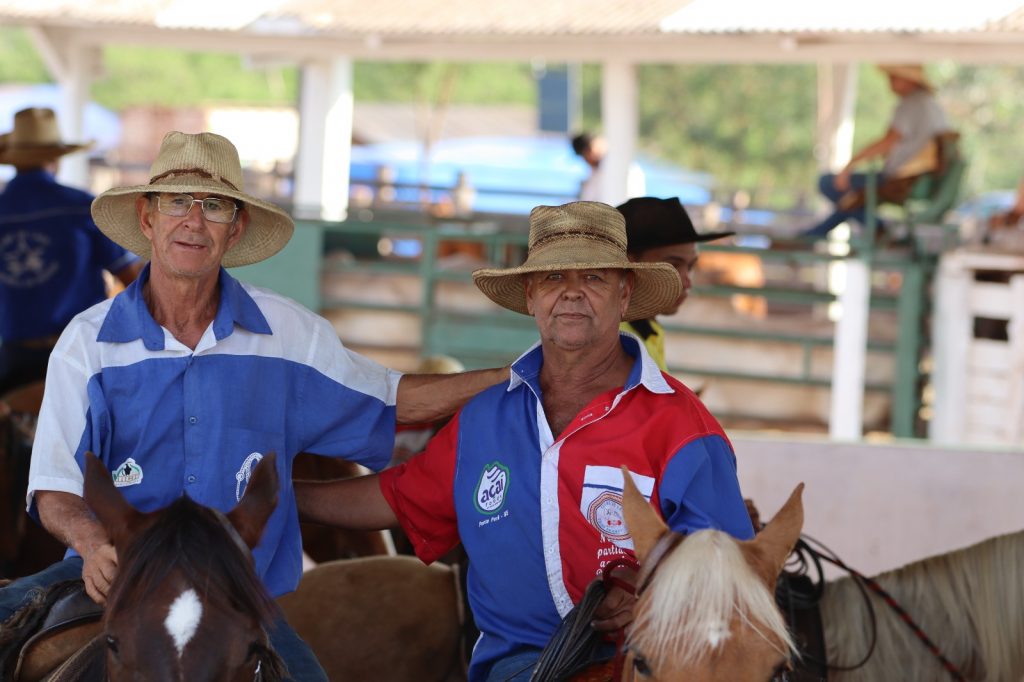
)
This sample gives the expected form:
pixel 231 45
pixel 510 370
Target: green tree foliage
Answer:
pixel 751 126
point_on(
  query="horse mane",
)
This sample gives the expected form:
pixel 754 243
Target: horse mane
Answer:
pixel 969 602
pixel 686 609
pixel 190 538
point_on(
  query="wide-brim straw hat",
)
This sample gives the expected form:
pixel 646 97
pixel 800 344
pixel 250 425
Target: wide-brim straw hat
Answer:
pixel 911 72
pixel 187 163
pixel 581 235
pixel 35 139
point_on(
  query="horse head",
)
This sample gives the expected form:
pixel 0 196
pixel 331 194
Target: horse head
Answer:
pixel 705 606
pixel 186 603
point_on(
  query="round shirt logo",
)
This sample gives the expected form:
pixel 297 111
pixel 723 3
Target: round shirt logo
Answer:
pixel 23 260
pixel 605 514
pixel 492 488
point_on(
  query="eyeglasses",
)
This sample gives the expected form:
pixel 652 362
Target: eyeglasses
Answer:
pixel 215 209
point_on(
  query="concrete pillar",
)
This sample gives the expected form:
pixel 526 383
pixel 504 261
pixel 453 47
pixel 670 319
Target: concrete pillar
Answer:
pixel 620 122
pixel 849 351
pixel 325 139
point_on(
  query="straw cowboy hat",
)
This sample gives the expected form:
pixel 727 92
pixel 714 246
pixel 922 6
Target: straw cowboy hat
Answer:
pixel 581 235
pixel 911 72
pixel 186 163
pixel 652 222
pixel 35 139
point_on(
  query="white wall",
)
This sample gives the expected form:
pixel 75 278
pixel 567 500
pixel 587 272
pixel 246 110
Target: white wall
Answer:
pixel 882 506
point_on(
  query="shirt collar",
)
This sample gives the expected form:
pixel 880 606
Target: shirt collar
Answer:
pixel 645 372
pixel 34 175
pixel 129 318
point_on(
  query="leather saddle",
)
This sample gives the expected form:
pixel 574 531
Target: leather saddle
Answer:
pixel 58 632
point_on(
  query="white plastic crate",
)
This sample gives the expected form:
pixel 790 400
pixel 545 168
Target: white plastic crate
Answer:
pixel 978 382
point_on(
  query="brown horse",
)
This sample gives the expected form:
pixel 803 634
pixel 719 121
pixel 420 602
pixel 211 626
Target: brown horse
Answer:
pixel 385 618
pixel 25 547
pixel 969 602
pixel 186 601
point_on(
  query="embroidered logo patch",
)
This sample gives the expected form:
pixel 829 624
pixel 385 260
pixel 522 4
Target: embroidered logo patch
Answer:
pixel 605 514
pixel 127 473
pixel 243 475
pixel 492 488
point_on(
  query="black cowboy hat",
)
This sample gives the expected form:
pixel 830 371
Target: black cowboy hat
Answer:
pixel 652 222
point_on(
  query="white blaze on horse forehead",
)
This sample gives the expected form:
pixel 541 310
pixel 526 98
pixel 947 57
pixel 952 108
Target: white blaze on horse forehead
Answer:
pixel 183 618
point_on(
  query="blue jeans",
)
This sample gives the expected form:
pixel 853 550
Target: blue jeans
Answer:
pixel 828 189
pixel 514 668
pixel 296 654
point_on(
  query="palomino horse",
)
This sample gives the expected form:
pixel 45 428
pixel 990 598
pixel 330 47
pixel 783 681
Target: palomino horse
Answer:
pixel 969 602
pixel 705 607
pixel 401 620
pixel 186 600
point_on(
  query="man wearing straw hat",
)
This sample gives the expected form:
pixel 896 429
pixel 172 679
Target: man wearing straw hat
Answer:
pixel 527 474
pixel 185 380
pixel 52 257
pixel 909 148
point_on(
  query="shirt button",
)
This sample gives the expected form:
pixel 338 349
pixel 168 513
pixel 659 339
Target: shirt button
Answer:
pixel 191 478
pixel 192 420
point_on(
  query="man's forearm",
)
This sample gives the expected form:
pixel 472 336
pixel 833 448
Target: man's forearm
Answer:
pixel 355 503
pixel 67 518
pixel 424 398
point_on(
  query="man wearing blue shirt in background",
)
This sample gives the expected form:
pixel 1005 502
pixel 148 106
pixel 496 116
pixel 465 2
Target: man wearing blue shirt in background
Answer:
pixel 185 380
pixel 52 257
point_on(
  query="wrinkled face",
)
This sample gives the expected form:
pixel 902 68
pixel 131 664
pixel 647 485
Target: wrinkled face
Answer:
pixel 683 257
pixel 178 636
pixel 745 656
pixel 188 246
pixel 578 308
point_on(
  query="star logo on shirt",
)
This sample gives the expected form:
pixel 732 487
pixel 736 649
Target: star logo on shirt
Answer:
pixel 23 260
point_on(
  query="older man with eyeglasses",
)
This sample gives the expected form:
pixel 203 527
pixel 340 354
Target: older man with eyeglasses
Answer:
pixel 183 382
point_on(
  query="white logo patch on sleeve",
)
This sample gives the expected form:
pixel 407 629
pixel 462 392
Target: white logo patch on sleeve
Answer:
pixel 183 619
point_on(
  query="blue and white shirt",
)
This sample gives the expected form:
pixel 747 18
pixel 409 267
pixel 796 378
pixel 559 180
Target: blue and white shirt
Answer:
pixel 268 375
pixel 52 256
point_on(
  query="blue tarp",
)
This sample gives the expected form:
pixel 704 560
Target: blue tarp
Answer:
pixel 509 174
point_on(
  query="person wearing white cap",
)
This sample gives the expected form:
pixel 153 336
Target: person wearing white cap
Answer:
pixel 188 378
pixel 52 257
pixel 527 475
pixel 909 148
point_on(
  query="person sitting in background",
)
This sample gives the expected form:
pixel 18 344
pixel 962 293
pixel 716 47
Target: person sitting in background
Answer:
pixel 660 231
pixel 52 256
pixel 1010 217
pixel 909 149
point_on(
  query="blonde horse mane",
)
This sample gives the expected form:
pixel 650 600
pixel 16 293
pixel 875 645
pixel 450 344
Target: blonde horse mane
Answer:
pixel 686 610
pixel 970 602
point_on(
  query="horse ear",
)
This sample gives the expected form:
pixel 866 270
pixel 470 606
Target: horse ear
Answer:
pixel 771 547
pixel 257 504
pixel 121 520
pixel 642 521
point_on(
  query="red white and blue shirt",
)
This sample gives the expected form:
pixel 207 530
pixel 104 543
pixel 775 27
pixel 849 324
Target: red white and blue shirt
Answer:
pixel 267 376
pixel 540 515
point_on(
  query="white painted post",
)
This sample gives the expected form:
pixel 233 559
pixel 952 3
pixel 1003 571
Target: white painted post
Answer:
pixel 837 96
pixel 952 333
pixel 325 139
pixel 849 352
pixel 82 63
pixel 619 105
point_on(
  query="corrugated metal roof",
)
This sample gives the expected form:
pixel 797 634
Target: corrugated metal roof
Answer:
pixel 525 18
pixel 818 16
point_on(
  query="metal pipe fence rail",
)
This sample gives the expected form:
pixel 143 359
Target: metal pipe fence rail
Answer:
pixel 485 336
